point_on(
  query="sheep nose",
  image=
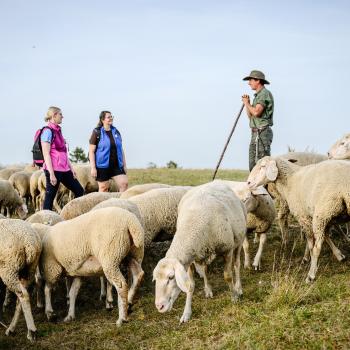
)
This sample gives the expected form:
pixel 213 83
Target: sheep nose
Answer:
pixel 159 306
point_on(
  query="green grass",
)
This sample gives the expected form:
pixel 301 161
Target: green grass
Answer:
pixel 278 310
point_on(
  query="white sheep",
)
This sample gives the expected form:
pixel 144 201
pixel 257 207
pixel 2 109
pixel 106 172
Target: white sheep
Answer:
pixel 83 204
pixel 341 149
pixel 10 200
pixel 20 248
pixel 211 221
pixel 139 189
pixel 158 209
pixel 92 244
pixel 261 214
pixel 317 195
pixel 20 181
pixel 8 171
pixel 131 207
pixel 34 190
pixel 304 158
pixel 47 217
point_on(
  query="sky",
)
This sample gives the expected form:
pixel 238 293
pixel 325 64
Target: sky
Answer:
pixel 171 74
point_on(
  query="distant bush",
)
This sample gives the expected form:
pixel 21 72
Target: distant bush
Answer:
pixel 171 165
pixel 151 165
pixel 78 156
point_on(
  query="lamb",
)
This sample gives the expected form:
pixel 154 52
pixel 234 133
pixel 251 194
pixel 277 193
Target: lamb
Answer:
pixel 261 215
pixel 20 250
pixel 158 209
pixel 341 149
pixel 82 205
pixel 47 217
pixel 10 200
pixel 20 181
pixel 211 221
pixel 139 189
pixel 94 243
pixel 34 190
pixel 317 195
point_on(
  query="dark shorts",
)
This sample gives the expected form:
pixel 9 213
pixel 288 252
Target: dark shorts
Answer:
pixel 104 174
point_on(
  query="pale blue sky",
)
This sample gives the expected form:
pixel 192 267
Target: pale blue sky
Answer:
pixel 171 72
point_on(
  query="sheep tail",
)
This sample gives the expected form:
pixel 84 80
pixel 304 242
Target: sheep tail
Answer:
pixel 136 232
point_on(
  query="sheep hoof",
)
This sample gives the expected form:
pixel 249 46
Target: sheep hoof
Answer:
pixel 9 332
pixel 305 260
pixel 341 257
pixel 109 306
pixel 247 266
pixel 32 335
pixel 309 279
pixel 208 293
pixel 69 318
pixel 51 316
pixel 120 321
pixel 185 317
pixel 236 297
pixel 40 305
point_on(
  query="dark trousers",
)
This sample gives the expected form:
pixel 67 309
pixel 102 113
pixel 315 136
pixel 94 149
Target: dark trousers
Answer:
pixel 260 146
pixel 67 179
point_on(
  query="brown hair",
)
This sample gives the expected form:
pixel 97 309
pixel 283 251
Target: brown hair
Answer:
pixel 102 117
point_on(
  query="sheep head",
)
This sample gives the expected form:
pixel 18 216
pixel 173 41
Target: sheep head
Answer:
pixel 22 211
pixel 265 171
pixel 341 149
pixel 170 277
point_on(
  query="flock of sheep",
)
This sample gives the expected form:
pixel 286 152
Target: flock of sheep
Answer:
pixel 100 234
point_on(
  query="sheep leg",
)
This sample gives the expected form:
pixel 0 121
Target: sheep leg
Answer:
pixel 283 221
pixel 306 256
pixel 103 288
pixel 137 275
pixel 109 296
pixel 48 305
pixel 228 277
pixel 39 289
pixel 257 259
pixel 116 278
pixel 2 296
pixel 237 292
pixel 74 290
pixel 246 253
pixel 315 252
pixel 336 251
pixel 68 282
pixel 23 303
pixel 202 270
pixel 189 294
pixel 7 299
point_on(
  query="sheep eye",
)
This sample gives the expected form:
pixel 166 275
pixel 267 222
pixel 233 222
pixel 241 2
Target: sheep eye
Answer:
pixel 171 277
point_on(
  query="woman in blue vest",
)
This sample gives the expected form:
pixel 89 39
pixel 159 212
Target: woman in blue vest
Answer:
pixel 106 154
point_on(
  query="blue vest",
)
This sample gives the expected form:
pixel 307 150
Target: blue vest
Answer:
pixel 104 147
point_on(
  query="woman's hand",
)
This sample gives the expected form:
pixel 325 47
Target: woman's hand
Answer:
pixel 53 179
pixel 93 172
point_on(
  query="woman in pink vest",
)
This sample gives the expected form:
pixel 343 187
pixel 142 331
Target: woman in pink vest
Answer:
pixel 57 167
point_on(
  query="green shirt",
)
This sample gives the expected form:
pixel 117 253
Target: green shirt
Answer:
pixel 264 98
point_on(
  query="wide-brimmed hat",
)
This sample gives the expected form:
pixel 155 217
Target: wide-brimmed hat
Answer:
pixel 256 74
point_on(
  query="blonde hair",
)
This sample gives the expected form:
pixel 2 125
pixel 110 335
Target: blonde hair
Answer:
pixel 51 112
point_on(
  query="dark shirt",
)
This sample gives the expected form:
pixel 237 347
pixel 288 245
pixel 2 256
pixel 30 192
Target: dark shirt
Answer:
pixel 113 159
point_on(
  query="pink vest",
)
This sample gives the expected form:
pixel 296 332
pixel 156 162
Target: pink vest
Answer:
pixel 58 150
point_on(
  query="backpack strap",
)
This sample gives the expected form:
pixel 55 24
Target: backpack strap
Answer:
pixel 98 134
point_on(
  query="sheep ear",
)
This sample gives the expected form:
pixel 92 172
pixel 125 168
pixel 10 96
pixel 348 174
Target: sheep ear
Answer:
pixel 259 191
pixel 181 277
pixel 271 171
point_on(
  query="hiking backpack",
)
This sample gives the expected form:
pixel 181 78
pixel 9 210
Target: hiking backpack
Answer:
pixel 38 157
